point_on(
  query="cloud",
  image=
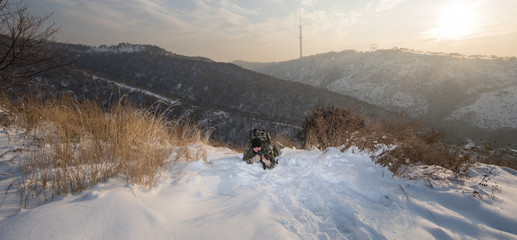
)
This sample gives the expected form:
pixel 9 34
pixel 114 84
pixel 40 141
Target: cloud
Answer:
pixel 228 29
pixel 220 19
pixel 308 3
pixel 385 5
pixel 473 19
pixel 214 16
pixel 116 14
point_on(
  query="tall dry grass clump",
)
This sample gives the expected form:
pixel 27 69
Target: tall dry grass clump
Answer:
pixel 77 145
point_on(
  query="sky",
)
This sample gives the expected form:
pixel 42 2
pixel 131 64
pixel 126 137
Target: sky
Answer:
pixel 266 31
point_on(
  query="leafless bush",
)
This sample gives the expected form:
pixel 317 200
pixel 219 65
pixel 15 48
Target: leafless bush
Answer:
pixel 417 151
pixel 396 142
pixel 330 126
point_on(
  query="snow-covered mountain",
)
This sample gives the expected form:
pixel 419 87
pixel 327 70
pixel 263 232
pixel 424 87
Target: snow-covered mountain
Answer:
pixel 445 90
pixel 492 110
pixel 229 99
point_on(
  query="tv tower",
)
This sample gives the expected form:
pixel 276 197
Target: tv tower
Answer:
pixel 300 34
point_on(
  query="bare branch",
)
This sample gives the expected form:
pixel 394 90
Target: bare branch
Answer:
pixel 25 45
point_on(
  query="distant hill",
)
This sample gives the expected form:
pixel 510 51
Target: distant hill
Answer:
pixel 466 97
pixel 228 99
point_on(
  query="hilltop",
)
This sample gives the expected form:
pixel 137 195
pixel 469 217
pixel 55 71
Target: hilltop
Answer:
pixel 466 97
pixel 311 194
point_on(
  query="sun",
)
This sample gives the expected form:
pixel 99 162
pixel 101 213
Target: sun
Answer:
pixel 455 21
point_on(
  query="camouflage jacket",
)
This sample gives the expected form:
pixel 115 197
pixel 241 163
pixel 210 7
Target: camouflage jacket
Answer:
pixel 249 153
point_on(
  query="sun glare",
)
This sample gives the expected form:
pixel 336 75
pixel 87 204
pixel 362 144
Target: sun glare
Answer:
pixel 456 21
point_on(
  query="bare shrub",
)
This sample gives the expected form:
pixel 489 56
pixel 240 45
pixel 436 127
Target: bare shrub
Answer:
pixel 500 157
pixel 401 142
pixel 417 151
pixel 330 127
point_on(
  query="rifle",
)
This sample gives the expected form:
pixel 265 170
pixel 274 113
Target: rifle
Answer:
pixel 266 156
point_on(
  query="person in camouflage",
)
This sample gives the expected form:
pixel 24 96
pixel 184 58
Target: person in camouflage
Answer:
pixel 258 151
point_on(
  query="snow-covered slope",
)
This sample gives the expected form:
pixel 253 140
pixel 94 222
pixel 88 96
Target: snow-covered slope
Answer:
pixel 436 87
pixel 310 195
pixel 496 109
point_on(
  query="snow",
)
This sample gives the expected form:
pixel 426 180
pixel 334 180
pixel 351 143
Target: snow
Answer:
pixel 493 110
pixel 121 48
pixel 139 90
pixel 311 194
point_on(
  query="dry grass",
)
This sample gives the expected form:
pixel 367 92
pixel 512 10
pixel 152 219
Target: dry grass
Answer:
pixel 285 141
pixel 401 142
pixel 77 145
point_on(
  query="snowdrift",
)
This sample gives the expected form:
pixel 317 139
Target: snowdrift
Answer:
pixel 310 195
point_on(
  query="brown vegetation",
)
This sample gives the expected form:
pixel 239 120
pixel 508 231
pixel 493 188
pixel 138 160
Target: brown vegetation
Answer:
pixel 77 145
pixel 395 142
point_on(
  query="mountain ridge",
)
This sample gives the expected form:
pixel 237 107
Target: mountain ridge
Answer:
pixel 452 93
pixel 227 98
